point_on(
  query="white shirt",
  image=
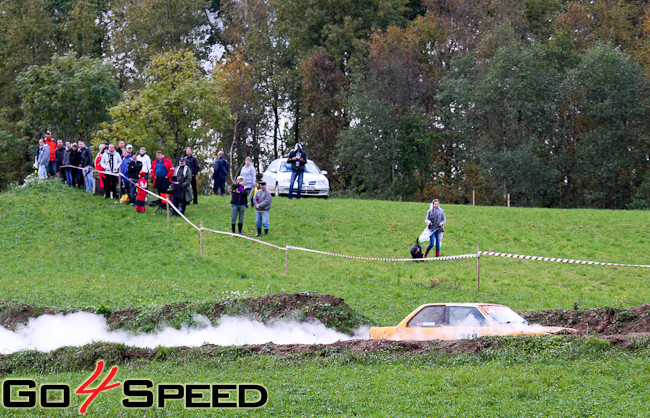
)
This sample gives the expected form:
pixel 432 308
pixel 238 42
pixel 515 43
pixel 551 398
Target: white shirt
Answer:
pixel 146 162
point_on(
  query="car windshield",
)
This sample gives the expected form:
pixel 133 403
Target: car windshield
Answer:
pixel 309 168
pixel 504 315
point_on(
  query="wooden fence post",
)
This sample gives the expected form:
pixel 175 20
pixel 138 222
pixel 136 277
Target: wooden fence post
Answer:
pixel 473 197
pixel 508 199
pixel 286 261
pixel 478 268
pixel 169 221
pixel 201 234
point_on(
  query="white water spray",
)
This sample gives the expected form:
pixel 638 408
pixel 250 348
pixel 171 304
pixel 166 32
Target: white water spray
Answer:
pixel 49 332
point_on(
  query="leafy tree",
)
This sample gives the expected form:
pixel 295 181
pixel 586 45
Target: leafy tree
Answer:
pixel 178 107
pixel 70 96
pixel 144 28
pixel 26 39
pixel 610 102
pixel 323 86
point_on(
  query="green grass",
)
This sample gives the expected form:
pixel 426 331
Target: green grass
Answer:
pixel 555 376
pixel 64 249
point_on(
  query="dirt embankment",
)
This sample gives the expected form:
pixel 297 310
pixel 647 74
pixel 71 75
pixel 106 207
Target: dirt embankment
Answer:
pixel 619 326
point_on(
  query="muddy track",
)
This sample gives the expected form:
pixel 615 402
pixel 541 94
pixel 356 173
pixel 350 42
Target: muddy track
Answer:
pixel 622 327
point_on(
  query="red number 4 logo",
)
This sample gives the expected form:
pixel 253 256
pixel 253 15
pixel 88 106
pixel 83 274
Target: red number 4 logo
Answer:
pixel 83 389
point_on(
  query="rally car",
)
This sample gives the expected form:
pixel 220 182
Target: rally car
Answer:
pixel 454 321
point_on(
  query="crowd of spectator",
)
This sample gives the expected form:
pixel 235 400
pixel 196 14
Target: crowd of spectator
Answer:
pixel 125 174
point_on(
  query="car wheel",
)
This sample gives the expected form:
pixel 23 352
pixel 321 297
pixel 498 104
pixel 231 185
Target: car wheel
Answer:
pixel 277 190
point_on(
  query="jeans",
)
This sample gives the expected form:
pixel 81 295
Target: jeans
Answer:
pixel 219 183
pixel 130 186
pixel 90 180
pixel 436 238
pixel 237 210
pixel 69 176
pixel 295 174
pixel 262 218
pixel 42 171
pixel 52 168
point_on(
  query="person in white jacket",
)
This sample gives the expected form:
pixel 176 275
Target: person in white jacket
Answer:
pixel 250 176
pixel 111 161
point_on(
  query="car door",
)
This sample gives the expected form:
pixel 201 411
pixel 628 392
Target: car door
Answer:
pixel 427 324
pixel 467 322
pixel 270 176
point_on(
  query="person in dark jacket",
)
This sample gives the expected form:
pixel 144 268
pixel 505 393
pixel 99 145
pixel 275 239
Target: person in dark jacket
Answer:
pixel 238 204
pixel 58 155
pixel 86 163
pixel 133 168
pixel 176 190
pixel 298 159
pixel 262 202
pixel 184 175
pixel 193 163
pixel 72 174
pixel 220 173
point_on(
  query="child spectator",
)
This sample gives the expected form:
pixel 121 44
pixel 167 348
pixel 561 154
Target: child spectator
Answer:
pixel 141 197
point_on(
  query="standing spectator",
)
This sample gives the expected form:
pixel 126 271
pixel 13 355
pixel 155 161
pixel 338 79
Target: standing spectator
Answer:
pixel 220 173
pixel 193 163
pixel 124 173
pixel 134 168
pixel 298 159
pixel 141 196
pixel 176 190
pixel 238 204
pixel 162 171
pixel 120 147
pixel 262 201
pixel 111 161
pixel 52 168
pixel 58 154
pixel 129 149
pixel 42 158
pixel 249 175
pixel 65 161
pixel 436 220
pixel 75 173
pixel 145 160
pixel 98 165
pixel 86 163
pixel 184 175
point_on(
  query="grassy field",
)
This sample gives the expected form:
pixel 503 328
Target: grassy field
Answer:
pixel 62 248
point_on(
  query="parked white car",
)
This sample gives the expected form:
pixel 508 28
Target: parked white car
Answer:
pixel 278 175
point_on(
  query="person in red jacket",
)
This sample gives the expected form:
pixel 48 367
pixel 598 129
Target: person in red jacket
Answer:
pixel 162 171
pixel 98 164
pixel 141 194
pixel 52 168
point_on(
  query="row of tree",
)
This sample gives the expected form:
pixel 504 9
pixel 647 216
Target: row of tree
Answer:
pixel 545 100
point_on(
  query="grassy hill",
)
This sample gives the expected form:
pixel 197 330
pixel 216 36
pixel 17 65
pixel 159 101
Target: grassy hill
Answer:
pixel 64 249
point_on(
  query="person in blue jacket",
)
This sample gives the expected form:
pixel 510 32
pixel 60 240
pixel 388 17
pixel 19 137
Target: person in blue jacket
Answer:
pixel 219 175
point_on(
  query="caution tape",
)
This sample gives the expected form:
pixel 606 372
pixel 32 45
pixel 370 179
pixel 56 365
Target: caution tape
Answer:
pixel 449 257
pixel 558 260
pixel 444 258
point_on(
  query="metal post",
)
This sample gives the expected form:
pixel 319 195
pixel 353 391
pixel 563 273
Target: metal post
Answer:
pixel 478 267
pixel 201 235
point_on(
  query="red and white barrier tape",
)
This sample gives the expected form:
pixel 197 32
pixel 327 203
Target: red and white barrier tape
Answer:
pixel 558 260
pixel 444 258
pixel 244 237
pixel 449 257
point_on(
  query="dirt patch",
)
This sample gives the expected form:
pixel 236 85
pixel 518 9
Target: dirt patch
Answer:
pixel 599 321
